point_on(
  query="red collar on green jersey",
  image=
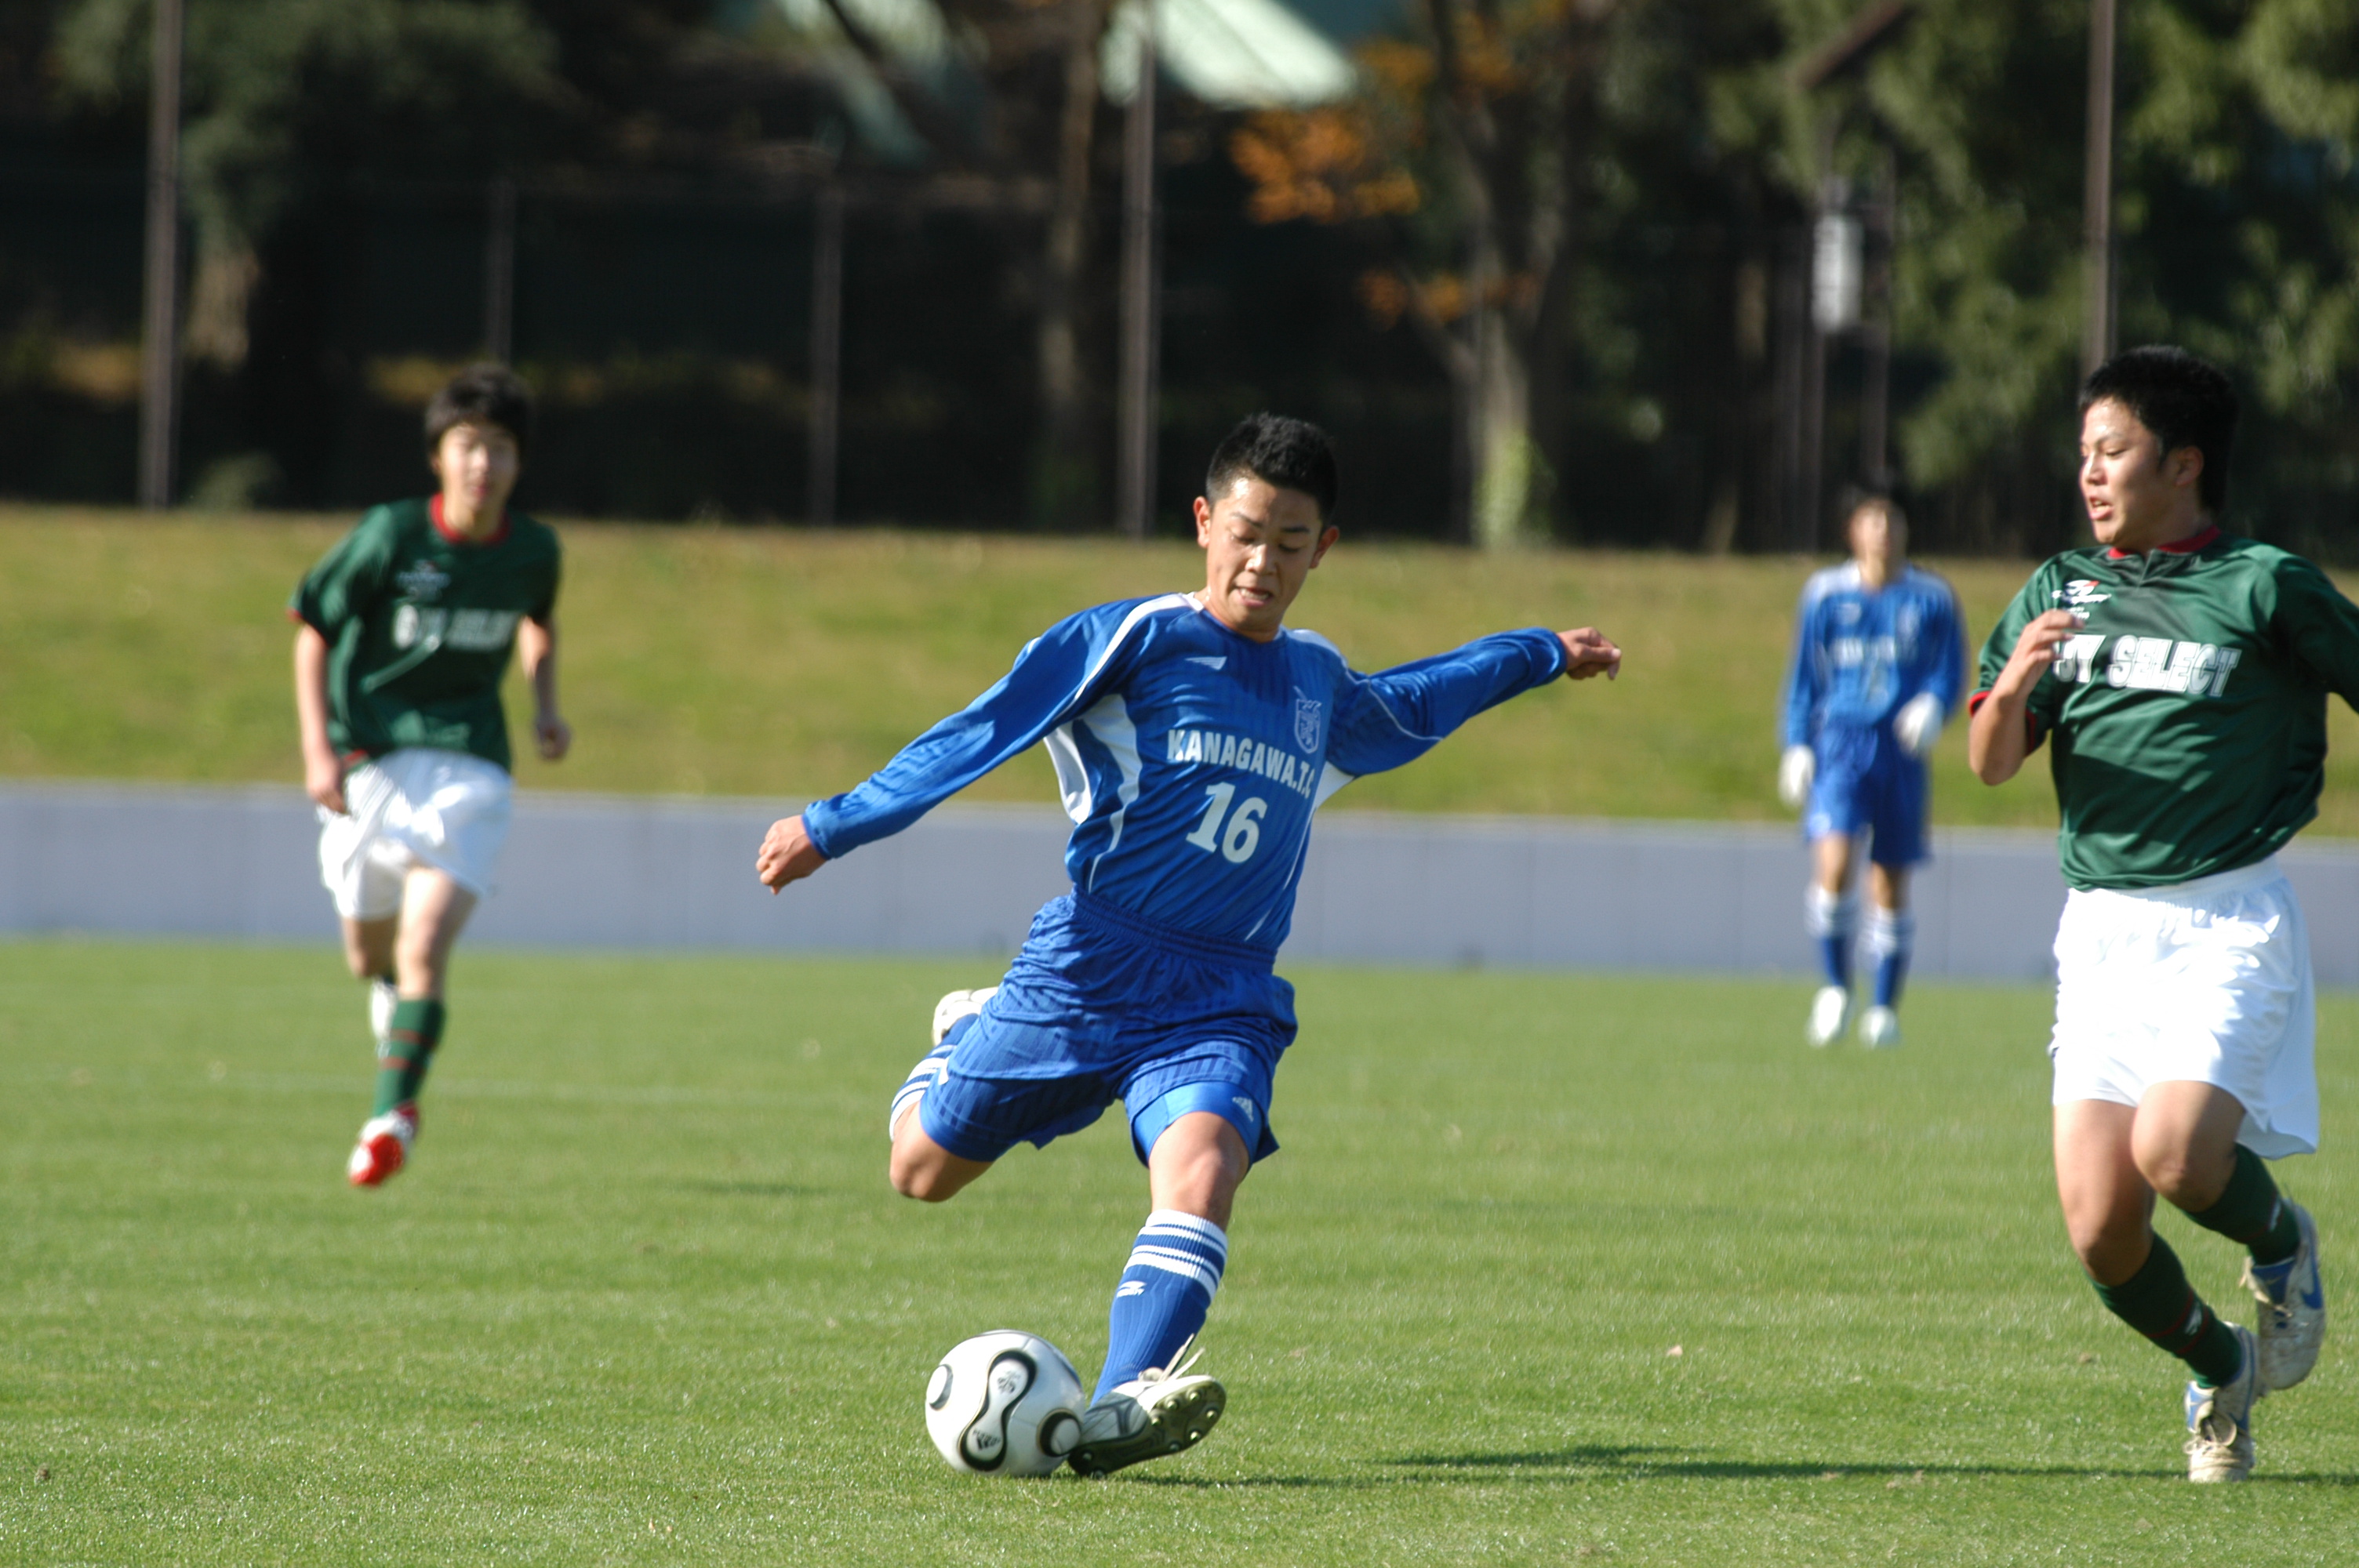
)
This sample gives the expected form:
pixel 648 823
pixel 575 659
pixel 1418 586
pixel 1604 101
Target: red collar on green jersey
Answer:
pixel 2186 546
pixel 434 509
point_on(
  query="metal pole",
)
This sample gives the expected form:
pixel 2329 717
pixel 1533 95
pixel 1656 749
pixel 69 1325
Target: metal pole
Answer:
pixel 827 355
pixel 499 273
pixel 160 331
pixel 1793 336
pixel 2097 196
pixel 1810 482
pixel 1876 331
pixel 1141 308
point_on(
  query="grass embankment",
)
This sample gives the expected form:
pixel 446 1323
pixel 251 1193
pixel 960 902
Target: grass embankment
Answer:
pixel 789 664
pixel 1552 1270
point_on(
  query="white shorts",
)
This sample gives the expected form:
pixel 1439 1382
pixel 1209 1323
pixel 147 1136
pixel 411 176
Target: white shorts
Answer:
pixel 2205 981
pixel 413 807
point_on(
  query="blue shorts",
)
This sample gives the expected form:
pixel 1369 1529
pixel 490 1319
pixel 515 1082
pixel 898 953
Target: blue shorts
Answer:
pixel 1866 784
pixel 1102 1005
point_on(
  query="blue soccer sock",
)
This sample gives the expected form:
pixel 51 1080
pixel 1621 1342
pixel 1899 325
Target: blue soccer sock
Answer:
pixel 1891 934
pixel 1829 917
pixel 1166 1289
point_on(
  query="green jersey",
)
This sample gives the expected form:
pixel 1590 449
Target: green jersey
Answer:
pixel 2188 715
pixel 418 623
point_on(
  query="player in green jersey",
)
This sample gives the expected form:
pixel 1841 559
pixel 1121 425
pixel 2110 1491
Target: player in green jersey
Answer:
pixel 407 628
pixel 2181 675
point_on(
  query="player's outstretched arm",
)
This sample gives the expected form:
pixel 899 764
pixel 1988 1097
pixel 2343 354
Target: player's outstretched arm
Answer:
pixel 1587 652
pixel 1999 739
pixel 323 772
pixel 536 650
pixel 787 855
pixel 1390 719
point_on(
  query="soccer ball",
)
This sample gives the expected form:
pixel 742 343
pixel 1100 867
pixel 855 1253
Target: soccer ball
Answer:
pixel 1004 1404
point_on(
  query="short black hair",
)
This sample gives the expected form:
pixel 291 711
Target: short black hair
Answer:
pixel 2185 401
pixel 1857 500
pixel 481 394
pixel 1292 454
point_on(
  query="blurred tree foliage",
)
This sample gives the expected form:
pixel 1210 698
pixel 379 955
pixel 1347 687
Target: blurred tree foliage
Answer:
pixel 291 102
pixel 1593 214
pixel 1682 157
pixel 2236 216
pixel 290 97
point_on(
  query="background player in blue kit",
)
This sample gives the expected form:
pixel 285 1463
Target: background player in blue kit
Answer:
pixel 1193 735
pixel 1879 665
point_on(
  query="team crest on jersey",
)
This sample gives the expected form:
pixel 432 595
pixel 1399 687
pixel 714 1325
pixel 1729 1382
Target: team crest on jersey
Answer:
pixel 2081 593
pixel 423 582
pixel 1306 722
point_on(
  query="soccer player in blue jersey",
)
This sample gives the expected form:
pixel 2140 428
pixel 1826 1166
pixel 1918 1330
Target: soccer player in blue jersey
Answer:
pixel 1879 665
pixel 1193 735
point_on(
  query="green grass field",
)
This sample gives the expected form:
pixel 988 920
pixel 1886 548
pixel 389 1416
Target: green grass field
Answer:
pixel 645 1297
pixel 789 664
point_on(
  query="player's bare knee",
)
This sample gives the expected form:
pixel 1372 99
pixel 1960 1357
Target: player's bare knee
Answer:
pixel 919 1171
pixel 925 1183
pixel 2181 1180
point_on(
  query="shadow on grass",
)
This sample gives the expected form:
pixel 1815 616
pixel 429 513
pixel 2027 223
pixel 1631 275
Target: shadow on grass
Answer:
pixel 1599 1462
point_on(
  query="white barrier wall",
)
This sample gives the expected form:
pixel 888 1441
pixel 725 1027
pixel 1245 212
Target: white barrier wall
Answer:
pixel 592 871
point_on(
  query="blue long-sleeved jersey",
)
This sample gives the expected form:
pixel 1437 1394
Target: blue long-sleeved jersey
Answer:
pixel 1861 653
pixel 1189 758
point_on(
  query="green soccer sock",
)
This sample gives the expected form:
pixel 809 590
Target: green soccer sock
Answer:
pixel 2158 1302
pixel 2251 1213
pixel 408 1048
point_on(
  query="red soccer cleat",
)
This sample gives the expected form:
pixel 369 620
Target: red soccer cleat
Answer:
pixel 383 1147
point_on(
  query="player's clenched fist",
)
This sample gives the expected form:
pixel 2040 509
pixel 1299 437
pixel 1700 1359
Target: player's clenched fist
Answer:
pixel 323 781
pixel 788 854
pixel 1587 652
pixel 2035 651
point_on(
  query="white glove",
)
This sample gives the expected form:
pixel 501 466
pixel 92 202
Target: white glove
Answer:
pixel 1919 723
pixel 1795 769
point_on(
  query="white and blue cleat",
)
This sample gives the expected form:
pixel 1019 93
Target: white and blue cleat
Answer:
pixel 2293 1308
pixel 1155 1414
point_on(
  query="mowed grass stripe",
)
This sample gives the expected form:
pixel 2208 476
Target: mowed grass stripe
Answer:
pixel 669 1311
pixel 789 664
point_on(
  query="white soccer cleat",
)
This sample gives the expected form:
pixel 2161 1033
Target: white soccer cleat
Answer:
pixel 383 999
pixel 2220 1420
pixel 1830 1010
pixel 956 1005
pixel 383 1147
pixel 2293 1309
pixel 1155 1414
pixel 1879 1029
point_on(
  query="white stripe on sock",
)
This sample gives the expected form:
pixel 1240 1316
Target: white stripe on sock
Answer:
pixel 1175 1263
pixel 1178 1222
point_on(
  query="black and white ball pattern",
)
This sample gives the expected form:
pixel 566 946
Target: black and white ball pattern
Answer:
pixel 1004 1404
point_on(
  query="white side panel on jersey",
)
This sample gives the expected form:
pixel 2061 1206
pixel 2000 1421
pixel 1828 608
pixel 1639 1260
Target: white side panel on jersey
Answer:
pixel 1073 773
pixel 1110 722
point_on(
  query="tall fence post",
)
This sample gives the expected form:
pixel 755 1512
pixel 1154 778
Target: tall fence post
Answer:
pixel 826 356
pixel 1141 307
pixel 499 272
pixel 2097 195
pixel 159 347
